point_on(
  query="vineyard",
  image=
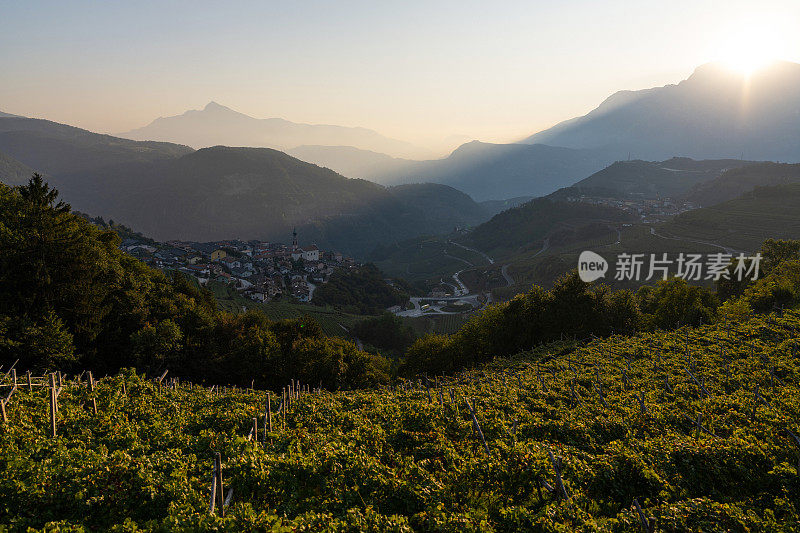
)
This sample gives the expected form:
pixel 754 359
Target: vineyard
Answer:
pixel 695 429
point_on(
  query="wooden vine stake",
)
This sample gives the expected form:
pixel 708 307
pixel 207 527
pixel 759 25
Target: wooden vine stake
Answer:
pixel 269 413
pixel 561 491
pixel 477 426
pixel 213 502
pixel 648 526
pixel 219 487
pixel 160 379
pixel 90 384
pixel 53 404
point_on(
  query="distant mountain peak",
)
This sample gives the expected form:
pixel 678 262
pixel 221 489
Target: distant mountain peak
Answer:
pixel 716 113
pixel 214 106
pixel 216 124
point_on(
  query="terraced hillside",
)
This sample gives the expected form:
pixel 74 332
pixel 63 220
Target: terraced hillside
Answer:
pixel 692 430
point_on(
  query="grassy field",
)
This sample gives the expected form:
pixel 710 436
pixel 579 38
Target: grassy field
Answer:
pixel 419 260
pixel 440 324
pixel 333 322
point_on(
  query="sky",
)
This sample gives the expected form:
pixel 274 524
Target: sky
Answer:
pixel 420 71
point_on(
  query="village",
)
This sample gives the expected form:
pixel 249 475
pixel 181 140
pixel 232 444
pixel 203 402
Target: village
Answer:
pixel 649 210
pixel 261 271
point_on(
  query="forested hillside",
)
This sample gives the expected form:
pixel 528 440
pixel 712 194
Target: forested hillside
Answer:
pixel 745 221
pixel 530 223
pixel 361 290
pixel 59 149
pixel 12 172
pixel 739 181
pixel 653 179
pixel 70 299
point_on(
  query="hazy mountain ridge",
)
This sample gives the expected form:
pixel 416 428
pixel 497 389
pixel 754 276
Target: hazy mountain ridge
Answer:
pixel 498 206
pixel 485 171
pixel 12 172
pixel 220 193
pixel 171 191
pixel 653 179
pixel 715 113
pixel 488 171
pixel 55 149
pixel 216 125
pixel 354 162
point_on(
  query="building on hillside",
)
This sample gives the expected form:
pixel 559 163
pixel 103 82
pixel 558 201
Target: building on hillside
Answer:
pixel 311 253
pixel 216 255
pixel 242 284
pixel 223 277
pixel 196 270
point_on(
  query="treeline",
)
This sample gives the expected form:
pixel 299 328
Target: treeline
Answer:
pixel 71 300
pixel 122 230
pixel 386 334
pixel 361 290
pixel 575 309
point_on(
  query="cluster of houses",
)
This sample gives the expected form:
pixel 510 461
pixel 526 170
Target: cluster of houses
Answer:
pixel 262 271
pixel 647 209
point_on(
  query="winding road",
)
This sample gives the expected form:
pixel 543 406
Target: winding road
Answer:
pixel 507 276
pixel 462 289
pixel 461 293
pixel 491 261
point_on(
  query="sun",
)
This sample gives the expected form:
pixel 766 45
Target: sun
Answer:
pixel 748 55
pixel 751 45
pixel 748 61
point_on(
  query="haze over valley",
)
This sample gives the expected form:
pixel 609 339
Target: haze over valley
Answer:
pixel 162 186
